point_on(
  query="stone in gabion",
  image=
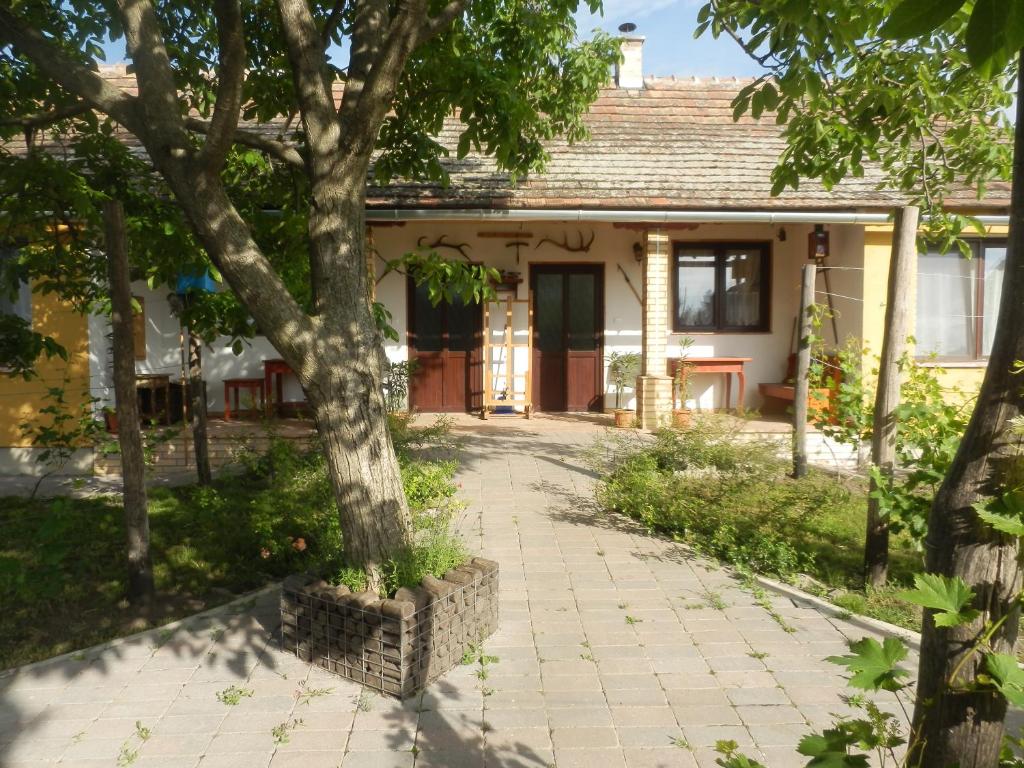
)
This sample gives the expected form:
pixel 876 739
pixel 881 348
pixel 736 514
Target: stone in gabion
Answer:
pixel 394 646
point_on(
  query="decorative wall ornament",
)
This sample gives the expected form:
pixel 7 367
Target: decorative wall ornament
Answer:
pixel 583 247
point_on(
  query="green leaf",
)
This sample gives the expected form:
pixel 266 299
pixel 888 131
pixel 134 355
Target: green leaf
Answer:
pixel 829 750
pixel 873 664
pixel 994 35
pixel 1004 515
pixel 914 18
pixel 1005 674
pixel 947 596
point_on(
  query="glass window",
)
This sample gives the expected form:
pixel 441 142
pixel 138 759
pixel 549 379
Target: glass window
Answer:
pixel 13 300
pixel 994 269
pixel 549 323
pixel 427 321
pixel 721 287
pixel 958 301
pixel 583 330
pixel 462 325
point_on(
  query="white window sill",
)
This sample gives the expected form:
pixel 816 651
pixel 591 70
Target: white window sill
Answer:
pixel 963 364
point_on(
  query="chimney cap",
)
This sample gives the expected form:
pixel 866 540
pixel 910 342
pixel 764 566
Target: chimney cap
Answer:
pixel 627 27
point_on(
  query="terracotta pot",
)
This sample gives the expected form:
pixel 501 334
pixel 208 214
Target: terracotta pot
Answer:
pixel 682 418
pixel 110 421
pixel 623 418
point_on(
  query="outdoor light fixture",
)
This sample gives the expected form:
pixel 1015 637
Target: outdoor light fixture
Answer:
pixel 782 234
pixel 817 243
pixel 638 252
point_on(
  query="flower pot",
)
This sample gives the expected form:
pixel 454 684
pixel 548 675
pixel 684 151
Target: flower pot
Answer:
pixel 623 418
pixel 682 418
pixel 110 421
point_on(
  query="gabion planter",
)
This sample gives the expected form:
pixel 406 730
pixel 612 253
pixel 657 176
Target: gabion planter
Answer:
pixel 394 646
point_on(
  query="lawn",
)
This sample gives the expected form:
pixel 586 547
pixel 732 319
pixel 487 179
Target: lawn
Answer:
pixel 62 561
pixel 730 497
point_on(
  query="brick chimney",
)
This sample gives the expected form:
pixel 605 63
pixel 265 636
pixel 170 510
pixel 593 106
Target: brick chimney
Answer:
pixel 629 73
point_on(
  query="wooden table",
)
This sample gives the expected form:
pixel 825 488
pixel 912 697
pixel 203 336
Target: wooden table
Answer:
pixel 726 365
pixel 154 383
pixel 275 368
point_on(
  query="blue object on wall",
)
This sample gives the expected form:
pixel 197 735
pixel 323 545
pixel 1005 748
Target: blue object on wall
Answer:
pixel 196 283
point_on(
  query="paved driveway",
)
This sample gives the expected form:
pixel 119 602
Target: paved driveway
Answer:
pixel 615 649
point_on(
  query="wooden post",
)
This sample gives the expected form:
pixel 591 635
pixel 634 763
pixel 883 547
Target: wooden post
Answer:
pixel 803 365
pixel 129 433
pixel 197 408
pixel 887 394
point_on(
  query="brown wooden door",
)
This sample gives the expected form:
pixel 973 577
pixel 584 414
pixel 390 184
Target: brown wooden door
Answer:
pixel 567 336
pixel 445 343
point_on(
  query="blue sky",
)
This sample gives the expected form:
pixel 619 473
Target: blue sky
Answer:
pixel 668 26
pixel 670 48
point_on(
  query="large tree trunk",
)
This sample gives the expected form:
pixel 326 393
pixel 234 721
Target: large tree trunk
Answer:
pixel 129 433
pixel 887 394
pixel 956 728
pixel 337 353
pixel 197 408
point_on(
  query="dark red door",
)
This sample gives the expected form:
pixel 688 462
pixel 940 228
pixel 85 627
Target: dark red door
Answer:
pixel 567 336
pixel 445 343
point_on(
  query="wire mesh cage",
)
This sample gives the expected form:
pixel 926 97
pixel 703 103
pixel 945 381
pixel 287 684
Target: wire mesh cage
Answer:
pixel 395 646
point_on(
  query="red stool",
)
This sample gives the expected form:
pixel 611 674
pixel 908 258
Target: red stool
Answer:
pixel 235 386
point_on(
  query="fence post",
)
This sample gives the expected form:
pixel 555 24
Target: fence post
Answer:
pixel 803 366
pixel 887 395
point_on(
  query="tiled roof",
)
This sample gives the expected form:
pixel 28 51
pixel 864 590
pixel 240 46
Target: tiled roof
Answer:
pixel 672 145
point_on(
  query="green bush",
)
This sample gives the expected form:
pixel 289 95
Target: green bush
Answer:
pixel 724 493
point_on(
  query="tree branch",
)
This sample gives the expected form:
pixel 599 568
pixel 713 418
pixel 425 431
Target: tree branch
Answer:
pixel 70 74
pixel 43 119
pixel 158 94
pixel 443 20
pixel 331 23
pixel 368 32
pixel 309 62
pixel 276 149
pixel 231 76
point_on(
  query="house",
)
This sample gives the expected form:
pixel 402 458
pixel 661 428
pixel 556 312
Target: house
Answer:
pixel 660 228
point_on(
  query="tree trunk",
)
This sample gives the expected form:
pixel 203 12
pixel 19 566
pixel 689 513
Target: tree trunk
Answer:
pixel 197 409
pixel 801 388
pixel 337 354
pixel 966 729
pixel 129 433
pixel 887 394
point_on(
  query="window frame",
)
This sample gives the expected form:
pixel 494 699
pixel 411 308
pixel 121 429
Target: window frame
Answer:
pixel 718 248
pixel 22 305
pixel 977 332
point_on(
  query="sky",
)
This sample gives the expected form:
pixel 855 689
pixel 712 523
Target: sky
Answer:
pixel 670 48
pixel 668 26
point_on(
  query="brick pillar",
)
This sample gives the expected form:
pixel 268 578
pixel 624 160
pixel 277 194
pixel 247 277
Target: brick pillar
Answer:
pixel 653 385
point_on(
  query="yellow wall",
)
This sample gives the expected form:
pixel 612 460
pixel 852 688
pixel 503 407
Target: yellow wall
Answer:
pixel 877 250
pixel 21 400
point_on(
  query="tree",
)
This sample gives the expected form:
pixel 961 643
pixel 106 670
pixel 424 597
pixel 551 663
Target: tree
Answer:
pixel 129 435
pixel 508 67
pixel 920 87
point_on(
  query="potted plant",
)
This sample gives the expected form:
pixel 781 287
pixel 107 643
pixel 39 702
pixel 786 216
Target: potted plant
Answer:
pixel 682 416
pixel 622 370
pixel 110 420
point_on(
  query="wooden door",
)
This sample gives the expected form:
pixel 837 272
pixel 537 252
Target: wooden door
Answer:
pixel 445 342
pixel 567 343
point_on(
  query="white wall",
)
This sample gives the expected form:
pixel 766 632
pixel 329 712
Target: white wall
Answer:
pixel 611 246
pixel 769 351
pixel 163 353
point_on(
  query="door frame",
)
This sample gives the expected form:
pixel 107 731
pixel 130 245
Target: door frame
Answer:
pixel 474 357
pixel 563 267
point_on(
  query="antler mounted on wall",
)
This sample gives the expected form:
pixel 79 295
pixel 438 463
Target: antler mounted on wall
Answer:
pixel 583 247
pixel 440 243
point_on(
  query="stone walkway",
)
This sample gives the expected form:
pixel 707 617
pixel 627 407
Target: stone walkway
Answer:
pixel 615 649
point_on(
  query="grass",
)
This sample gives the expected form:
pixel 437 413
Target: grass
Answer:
pixel 731 498
pixel 62 561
